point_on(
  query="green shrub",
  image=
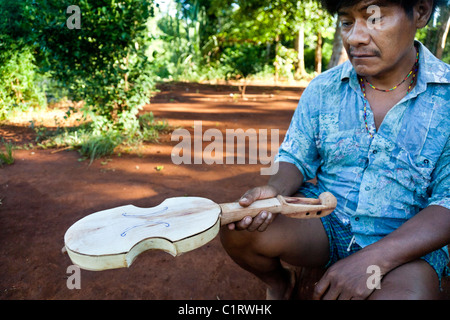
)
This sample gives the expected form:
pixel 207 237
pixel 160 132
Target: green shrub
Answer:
pixel 6 157
pixel 103 63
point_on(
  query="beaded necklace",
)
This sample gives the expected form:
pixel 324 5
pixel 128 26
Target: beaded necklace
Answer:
pixel 412 73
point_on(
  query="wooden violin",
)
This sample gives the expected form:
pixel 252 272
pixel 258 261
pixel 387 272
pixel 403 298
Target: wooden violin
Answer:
pixel 113 238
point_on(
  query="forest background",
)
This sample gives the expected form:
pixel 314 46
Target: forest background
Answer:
pixel 107 56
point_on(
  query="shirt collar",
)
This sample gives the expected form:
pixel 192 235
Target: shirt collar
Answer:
pixel 431 69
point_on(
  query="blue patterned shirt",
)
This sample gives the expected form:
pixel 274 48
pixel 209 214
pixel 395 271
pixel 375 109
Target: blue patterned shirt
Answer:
pixel 382 182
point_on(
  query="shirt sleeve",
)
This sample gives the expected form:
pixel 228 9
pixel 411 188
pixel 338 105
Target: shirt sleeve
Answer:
pixel 440 185
pixel 299 145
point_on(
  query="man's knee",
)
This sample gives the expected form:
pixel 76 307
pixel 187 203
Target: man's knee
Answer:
pixel 236 242
pixel 229 238
pixel 295 241
pixel 415 280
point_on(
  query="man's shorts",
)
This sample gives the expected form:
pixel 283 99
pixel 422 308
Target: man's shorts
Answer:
pixel 342 244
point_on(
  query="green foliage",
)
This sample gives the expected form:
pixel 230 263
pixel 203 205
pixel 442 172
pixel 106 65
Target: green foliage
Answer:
pixel 430 35
pixel 245 59
pixel 285 59
pixel 149 128
pixel 122 48
pixel 175 51
pixel 96 146
pixel 20 82
pixel 103 62
pixel 6 157
pixel 93 143
pixel 271 27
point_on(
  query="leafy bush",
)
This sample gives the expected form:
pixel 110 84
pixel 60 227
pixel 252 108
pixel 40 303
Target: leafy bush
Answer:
pixel 18 84
pixel 19 76
pixel 103 63
pixel 96 146
pixel 285 59
pixel 93 143
pixel 243 60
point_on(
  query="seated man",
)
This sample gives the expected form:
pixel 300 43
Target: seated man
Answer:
pixel 375 132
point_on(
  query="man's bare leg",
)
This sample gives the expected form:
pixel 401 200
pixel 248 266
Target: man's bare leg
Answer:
pixel 295 241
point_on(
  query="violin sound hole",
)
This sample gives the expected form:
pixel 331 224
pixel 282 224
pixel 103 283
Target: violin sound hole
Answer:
pixel 147 223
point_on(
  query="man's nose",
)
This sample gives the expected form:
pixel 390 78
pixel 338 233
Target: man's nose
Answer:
pixel 359 34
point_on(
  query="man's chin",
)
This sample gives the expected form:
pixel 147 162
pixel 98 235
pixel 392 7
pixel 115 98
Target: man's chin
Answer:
pixel 364 70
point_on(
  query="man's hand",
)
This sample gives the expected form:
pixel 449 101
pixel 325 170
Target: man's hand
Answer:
pixel 264 218
pixel 346 279
pixel 285 182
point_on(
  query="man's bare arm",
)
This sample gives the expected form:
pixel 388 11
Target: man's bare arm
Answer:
pixel 286 182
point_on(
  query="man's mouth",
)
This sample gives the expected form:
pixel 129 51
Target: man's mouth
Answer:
pixel 362 54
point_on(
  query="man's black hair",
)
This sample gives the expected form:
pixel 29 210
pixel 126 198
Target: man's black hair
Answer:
pixel 333 6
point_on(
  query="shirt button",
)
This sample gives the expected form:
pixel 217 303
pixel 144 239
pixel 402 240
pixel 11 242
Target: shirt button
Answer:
pixel 367 188
pixel 357 219
pixel 426 161
pixel 375 151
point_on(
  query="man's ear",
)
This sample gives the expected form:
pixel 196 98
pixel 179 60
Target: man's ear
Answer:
pixel 422 12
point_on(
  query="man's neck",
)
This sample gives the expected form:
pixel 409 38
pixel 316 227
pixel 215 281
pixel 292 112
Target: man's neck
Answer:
pixel 392 77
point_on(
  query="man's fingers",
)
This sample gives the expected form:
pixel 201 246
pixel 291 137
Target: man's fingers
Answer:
pixel 320 288
pixel 264 218
pixel 244 223
pixel 344 296
pixel 258 221
pixel 231 226
pixel 267 221
pixel 333 293
pixel 257 193
pixel 249 197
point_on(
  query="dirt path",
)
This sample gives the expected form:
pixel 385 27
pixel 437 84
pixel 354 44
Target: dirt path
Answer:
pixel 44 192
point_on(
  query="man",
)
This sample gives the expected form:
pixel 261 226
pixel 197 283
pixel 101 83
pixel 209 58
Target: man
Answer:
pixel 375 132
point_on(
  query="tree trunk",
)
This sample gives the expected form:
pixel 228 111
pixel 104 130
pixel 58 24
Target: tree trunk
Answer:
pixel 443 32
pixel 126 60
pixel 318 54
pixel 300 71
pixel 339 54
pixel 277 67
pixel 268 48
pixel 242 89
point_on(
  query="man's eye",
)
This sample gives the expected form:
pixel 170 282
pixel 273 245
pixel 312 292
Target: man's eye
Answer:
pixel 346 24
pixel 375 20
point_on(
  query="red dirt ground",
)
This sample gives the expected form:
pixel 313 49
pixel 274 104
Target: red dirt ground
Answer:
pixel 44 192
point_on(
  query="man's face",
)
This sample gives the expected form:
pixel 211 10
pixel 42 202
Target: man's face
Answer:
pixel 376 35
